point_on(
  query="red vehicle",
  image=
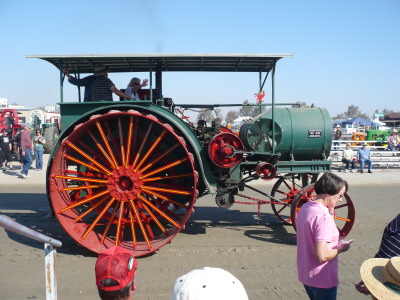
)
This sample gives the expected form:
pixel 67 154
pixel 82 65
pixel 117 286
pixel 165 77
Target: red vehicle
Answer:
pixel 9 120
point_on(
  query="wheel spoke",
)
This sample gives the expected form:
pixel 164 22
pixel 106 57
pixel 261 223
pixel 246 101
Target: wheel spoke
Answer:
pixel 91 209
pixel 119 233
pixel 150 151
pixel 288 186
pixel 88 157
pixel 159 158
pixel 140 224
pixel 83 164
pixel 175 163
pixel 114 147
pixel 134 243
pixel 110 222
pixel 90 228
pixel 128 147
pixel 342 219
pixel 121 138
pixel 102 150
pixel 283 207
pixel 164 198
pixel 82 179
pixel 154 218
pixel 281 192
pixel 158 210
pixel 165 190
pixel 83 187
pixel 341 205
pixel 142 145
pixel 103 136
pixel 167 177
pixel 85 200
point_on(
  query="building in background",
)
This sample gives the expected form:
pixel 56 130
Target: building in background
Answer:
pixel 3 102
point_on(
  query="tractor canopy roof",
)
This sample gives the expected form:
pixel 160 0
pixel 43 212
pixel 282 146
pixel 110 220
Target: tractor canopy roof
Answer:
pixel 166 62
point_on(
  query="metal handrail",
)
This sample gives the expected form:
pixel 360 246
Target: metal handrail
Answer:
pixel 49 251
pixel 11 225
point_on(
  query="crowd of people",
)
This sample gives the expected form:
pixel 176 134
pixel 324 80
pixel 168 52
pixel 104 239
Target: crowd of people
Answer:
pixel 363 154
pixel 25 147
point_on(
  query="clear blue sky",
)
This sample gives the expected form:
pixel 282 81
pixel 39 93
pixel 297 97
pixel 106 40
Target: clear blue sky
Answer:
pixel 345 52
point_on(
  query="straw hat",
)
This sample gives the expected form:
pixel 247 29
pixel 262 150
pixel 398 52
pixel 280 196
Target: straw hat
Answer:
pixel 100 69
pixel 382 277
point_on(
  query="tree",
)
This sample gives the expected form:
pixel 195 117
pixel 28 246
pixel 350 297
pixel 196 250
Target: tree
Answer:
pixel 231 116
pixel 206 115
pixel 387 111
pixel 351 113
pixel 218 113
pixel 246 110
pixel 250 109
pixel 256 110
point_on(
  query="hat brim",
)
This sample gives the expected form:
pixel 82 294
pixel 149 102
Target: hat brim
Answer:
pixel 372 274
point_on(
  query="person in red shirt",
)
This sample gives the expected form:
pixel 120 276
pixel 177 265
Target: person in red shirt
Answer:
pixel 27 151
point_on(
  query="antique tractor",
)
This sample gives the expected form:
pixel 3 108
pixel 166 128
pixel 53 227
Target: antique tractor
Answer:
pixel 51 131
pixel 129 172
pixel 9 120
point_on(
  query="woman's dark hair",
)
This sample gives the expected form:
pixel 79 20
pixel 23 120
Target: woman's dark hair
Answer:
pixel 330 184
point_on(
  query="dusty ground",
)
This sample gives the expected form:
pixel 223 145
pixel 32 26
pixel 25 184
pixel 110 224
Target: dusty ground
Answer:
pixel 259 250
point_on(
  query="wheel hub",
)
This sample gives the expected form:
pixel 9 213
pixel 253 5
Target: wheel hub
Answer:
pixel 125 184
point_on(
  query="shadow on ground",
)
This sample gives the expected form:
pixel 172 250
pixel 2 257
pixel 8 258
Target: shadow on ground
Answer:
pixel 271 229
pixel 33 211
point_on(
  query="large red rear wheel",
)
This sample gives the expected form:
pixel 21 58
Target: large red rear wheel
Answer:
pixel 344 214
pixel 123 178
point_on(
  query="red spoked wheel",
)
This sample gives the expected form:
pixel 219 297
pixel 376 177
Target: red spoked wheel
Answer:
pixel 344 214
pixel 123 178
pixel 222 148
pixel 266 171
pixel 284 190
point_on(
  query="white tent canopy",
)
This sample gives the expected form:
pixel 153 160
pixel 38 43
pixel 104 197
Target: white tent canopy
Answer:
pixel 378 122
pixel 243 119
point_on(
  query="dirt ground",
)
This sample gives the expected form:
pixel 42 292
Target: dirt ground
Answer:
pixel 259 250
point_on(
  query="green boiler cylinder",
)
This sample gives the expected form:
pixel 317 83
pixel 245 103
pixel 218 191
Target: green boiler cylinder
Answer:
pixel 299 133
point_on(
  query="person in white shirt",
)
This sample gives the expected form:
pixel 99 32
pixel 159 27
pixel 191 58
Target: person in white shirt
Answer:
pixel 133 87
pixel 348 158
pixel 393 140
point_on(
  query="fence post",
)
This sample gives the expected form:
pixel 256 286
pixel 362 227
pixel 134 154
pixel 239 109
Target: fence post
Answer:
pixel 50 265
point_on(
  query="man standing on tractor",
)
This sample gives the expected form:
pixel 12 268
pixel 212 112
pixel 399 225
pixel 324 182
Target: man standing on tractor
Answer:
pixel 97 86
pixel 5 150
pixel 86 82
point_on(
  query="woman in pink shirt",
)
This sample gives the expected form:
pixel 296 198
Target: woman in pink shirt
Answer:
pixel 318 243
